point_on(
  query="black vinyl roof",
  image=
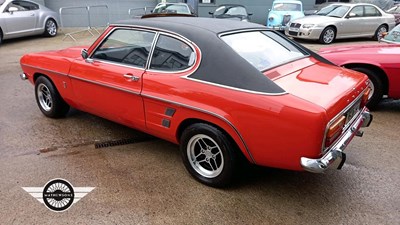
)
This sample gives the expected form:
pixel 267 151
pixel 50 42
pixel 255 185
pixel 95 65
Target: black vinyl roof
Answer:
pixel 220 64
pixel 182 25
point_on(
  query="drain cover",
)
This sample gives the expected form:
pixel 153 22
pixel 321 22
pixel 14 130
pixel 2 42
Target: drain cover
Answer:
pixel 111 143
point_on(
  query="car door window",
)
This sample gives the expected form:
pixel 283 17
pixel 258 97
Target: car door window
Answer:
pixel 371 11
pixel 130 47
pixel 357 11
pixel 23 5
pixel 171 54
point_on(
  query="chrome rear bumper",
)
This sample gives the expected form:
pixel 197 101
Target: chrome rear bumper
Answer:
pixel 335 157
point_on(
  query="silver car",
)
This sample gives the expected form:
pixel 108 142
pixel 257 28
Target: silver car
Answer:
pixel 342 20
pixel 20 18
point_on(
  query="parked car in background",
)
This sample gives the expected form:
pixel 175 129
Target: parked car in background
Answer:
pixel 282 12
pixel 380 62
pixel 170 8
pixel 232 12
pixel 223 90
pixel 395 10
pixel 341 20
pixel 19 18
pixel 393 36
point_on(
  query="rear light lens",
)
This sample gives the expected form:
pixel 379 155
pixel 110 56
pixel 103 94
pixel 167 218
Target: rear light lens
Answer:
pixel 335 130
pixel 366 96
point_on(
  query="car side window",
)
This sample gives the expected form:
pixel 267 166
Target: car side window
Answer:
pixel 358 11
pixel 23 5
pixel 126 46
pixel 371 11
pixel 171 54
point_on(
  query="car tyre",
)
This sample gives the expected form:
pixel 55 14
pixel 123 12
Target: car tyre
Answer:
pixel 49 100
pixel 328 35
pixel 50 28
pixel 208 154
pixel 378 33
pixel 376 86
pixel 1 36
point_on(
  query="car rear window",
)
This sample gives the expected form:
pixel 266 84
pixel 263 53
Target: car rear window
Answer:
pixel 263 49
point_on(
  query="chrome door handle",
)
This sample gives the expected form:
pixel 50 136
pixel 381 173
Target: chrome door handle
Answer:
pixel 131 77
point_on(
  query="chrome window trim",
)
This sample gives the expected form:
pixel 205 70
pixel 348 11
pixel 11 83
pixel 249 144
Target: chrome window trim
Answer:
pixel 191 44
pixel 323 148
pixel 157 32
pixel 233 88
pixel 206 112
pixel 122 64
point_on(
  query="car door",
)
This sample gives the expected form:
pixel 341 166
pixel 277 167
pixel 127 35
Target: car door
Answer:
pixel 372 19
pixel 23 21
pixel 109 82
pixel 352 25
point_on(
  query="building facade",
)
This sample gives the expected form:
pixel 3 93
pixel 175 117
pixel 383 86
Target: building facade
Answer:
pixel 74 12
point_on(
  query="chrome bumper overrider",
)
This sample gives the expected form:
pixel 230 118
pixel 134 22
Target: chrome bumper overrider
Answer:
pixel 23 76
pixel 335 157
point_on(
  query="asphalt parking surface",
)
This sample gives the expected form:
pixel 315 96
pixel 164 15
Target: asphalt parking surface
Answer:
pixel 146 182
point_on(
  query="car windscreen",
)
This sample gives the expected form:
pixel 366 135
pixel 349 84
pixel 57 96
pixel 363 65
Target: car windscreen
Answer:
pixel 171 8
pixel 230 10
pixel 286 7
pixel 263 49
pixel 334 11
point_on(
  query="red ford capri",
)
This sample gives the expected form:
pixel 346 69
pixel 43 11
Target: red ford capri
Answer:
pixel 220 89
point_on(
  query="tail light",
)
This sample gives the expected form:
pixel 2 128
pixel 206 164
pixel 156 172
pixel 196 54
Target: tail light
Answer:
pixel 335 130
pixel 366 96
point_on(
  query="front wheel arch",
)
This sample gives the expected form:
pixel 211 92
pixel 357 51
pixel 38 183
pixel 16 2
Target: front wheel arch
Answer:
pixel 321 37
pixel 378 76
pixel 48 98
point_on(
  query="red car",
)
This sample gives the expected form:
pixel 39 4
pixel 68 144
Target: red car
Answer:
pixel 379 61
pixel 220 89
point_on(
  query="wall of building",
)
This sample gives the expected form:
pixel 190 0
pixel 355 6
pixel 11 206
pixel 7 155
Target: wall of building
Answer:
pixel 118 9
pixel 100 16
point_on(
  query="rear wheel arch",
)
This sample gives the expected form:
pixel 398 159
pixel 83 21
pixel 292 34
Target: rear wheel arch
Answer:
pixel 378 79
pixel 1 35
pixel 190 121
pixel 381 73
pixel 376 34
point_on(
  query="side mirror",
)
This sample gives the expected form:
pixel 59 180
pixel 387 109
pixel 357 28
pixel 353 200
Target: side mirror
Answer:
pixel 211 13
pixel 351 15
pixel 12 9
pixel 84 54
